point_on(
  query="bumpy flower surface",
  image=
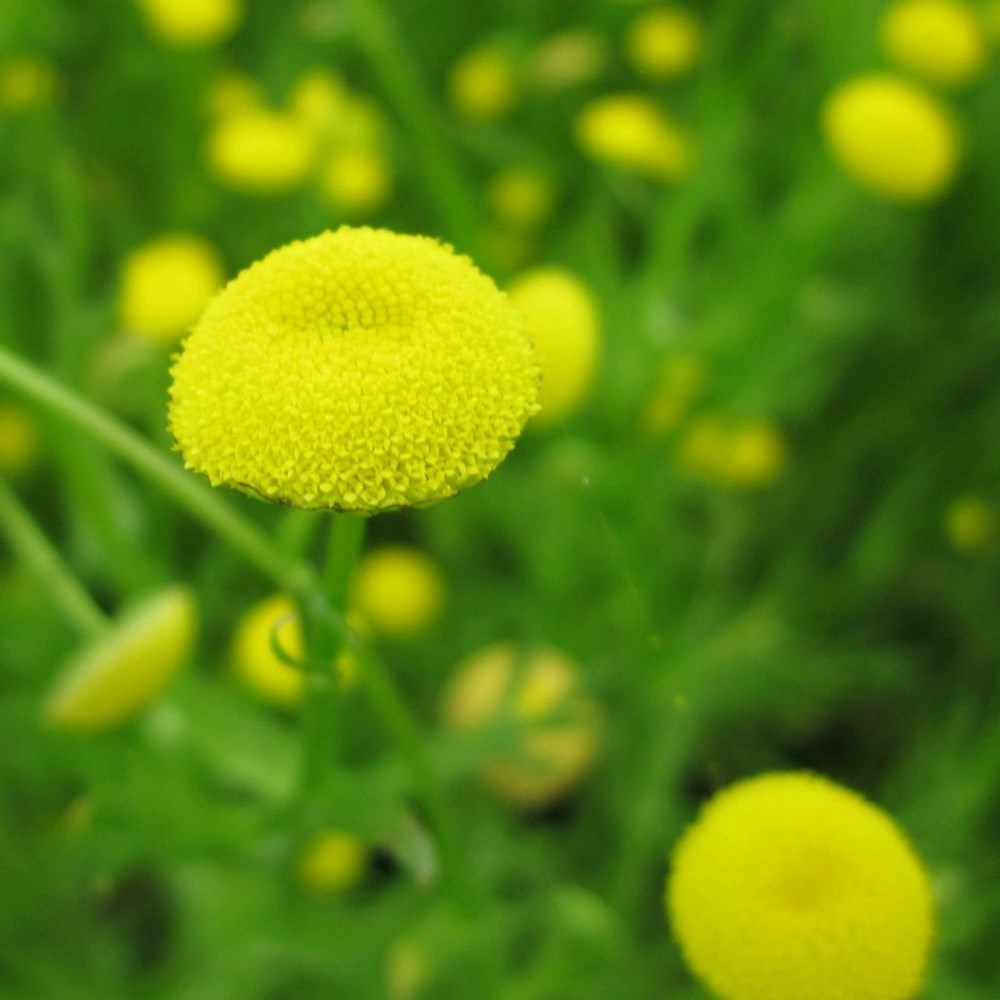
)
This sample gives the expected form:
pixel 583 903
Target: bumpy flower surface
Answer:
pixel 191 22
pixel 891 137
pixel 359 370
pixel 664 42
pixel 332 862
pixel 942 40
pixel 790 887
pixel 122 672
pixel 562 316
pixel 398 590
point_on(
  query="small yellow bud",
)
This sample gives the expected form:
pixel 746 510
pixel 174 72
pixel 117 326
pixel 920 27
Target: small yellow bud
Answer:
pixel 355 181
pixel 26 82
pixel 680 379
pixel 483 83
pixel 231 92
pixel 20 441
pixel 754 455
pixel 332 862
pixel 408 970
pixel 664 42
pixel 318 96
pixel 892 138
pixel 398 591
pixel 972 524
pixel 520 196
pixel 568 59
pixel 186 23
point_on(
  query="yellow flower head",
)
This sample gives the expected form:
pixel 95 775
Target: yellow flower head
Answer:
pixel 192 22
pixel 19 440
pixel 128 667
pixel 259 667
pixel 26 82
pixel 633 132
pixel 972 524
pixel 745 455
pixel 483 83
pixel 790 887
pixel 318 96
pixel 332 862
pixel 356 180
pixel 261 151
pixel 520 196
pixel 891 138
pixel 562 316
pixel 397 590
pixel 664 42
pixel 358 370
pixel 568 59
pixel 559 728
pixel 165 285
pixel 942 40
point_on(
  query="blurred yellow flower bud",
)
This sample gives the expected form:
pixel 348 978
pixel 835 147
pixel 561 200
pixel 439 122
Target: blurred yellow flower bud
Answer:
pixel 632 131
pixel 121 672
pixel 20 441
pixel 191 22
pixel 332 862
pixel 318 96
pixel 562 316
pixel 165 284
pixel 972 523
pixel 680 379
pixel 26 82
pixel 664 42
pixel 790 887
pixel 408 970
pixel 399 591
pixel 942 40
pixel 355 181
pixel 358 370
pixel 754 454
pixel 568 59
pixel 891 138
pixel 483 83
pixel 558 728
pixel 520 196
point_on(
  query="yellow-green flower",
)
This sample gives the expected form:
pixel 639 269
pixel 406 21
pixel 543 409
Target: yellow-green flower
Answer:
pixel 562 315
pixel 942 40
pixel 483 83
pixel 165 285
pixel 397 590
pixel 520 196
pixel 664 42
pixel 358 370
pixel 972 523
pixel 355 180
pixel 186 23
pixel 790 887
pixel 126 669
pixel 891 137
pixel 332 862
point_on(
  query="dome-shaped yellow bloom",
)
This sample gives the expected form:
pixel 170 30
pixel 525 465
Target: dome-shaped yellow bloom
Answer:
pixel 192 22
pixel 633 132
pixel 398 590
pixel 520 196
pixel 355 180
pixel 483 83
pixel 942 40
pixel 165 285
pixel 127 668
pixel 539 693
pixel 358 370
pixel 972 523
pixel 19 440
pixel 562 316
pixel 261 151
pixel 790 887
pixel 332 862
pixel 891 137
pixel 664 42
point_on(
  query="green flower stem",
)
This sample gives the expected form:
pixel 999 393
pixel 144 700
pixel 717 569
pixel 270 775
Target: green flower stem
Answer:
pixel 405 87
pixel 253 545
pixel 38 553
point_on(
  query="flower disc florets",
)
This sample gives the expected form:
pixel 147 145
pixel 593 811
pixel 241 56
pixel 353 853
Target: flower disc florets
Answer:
pixel 358 370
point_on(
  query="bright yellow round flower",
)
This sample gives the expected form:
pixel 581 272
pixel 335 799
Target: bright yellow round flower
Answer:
pixel 332 862
pixel 942 40
pixel 539 693
pixel 127 668
pixel 891 137
pixel 165 285
pixel 633 132
pixel 398 590
pixel 562 315
pixel 972 523
pixel 790 887
pixel 664 42
pixel 358 370
pixel 192 22
pixel 20 441
pixel 261 151
pixel 356 180
pixel 483 83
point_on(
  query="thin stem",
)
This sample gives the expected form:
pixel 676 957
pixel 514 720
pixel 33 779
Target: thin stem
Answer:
pixel 252 544
pixel 38 553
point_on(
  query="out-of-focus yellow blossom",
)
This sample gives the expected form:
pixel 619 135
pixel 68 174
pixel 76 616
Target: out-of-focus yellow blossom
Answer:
pixel 791 887
pixel 332 862
pixel 633 132
pixel 972 523
pixel 318 96
pixel 26 82
pixel 408 970
pixel 398 590
pixel 261 151
pixel 124 670
pixel 702 449
pixel 165 284
pixel 539 693
pixel 520 196
pixel 664 42
pixel 355 180
pixel 563 318
pixel 942 40
pixel 676 389
pixel 892 138
pixel 259 667
pixel 748 454
pixel 192 22
pixel 358 370
pixel 568 59
pixel 483 83
pixel 20 441
pixel 232 92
